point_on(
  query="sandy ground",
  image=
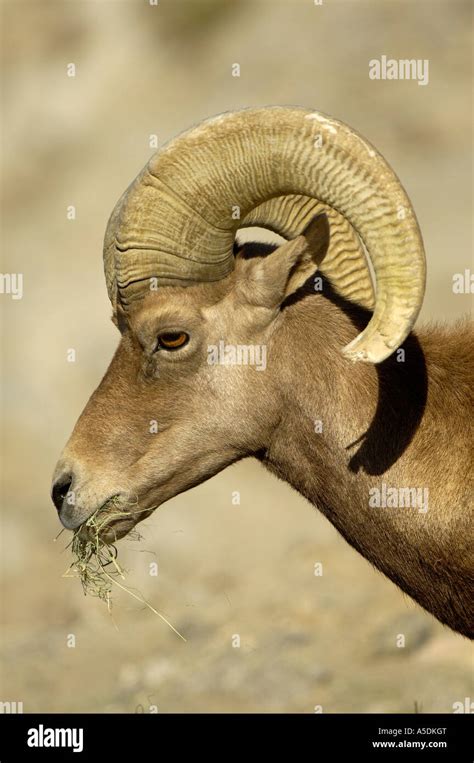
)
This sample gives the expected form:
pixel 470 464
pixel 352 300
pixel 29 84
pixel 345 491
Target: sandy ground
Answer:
pixel 223 570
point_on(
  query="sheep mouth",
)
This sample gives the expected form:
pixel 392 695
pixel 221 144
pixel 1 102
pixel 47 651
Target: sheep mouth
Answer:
pixel 110 522
pixel 116 529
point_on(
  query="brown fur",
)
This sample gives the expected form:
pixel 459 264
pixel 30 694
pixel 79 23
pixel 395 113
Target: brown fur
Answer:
pixel 406 424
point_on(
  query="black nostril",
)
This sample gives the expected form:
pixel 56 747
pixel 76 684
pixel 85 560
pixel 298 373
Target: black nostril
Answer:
pixel 60 491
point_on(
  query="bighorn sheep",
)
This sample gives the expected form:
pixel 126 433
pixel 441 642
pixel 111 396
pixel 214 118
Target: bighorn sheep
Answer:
pixel 388 460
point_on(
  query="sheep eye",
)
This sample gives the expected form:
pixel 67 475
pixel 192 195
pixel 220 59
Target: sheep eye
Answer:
pixel 172 340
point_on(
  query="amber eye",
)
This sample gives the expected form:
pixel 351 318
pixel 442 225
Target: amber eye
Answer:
pixel 172 340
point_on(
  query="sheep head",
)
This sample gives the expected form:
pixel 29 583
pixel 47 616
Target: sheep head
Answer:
pixel 189 389
pixel 178 403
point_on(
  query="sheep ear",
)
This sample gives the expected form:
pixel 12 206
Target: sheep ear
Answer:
pixel 267 281
pixel 316 238
pixel 316 234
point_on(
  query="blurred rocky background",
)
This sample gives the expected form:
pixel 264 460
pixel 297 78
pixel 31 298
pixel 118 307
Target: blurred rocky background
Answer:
pixel 223 570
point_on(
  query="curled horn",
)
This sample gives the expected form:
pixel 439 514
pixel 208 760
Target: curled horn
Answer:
pixel 177 223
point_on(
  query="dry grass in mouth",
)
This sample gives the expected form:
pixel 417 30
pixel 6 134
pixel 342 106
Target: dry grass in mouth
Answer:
pixel 95 561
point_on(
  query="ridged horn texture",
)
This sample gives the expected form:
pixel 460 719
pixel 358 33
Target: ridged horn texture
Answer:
pixel 177 221
pixel 345 263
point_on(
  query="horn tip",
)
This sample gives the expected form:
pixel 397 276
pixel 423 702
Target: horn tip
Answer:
pixel 368 350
